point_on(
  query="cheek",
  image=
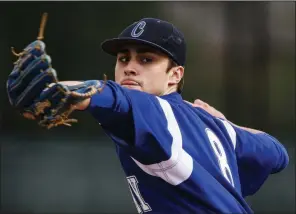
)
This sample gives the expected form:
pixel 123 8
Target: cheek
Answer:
pixel 117 74
pixel 156 80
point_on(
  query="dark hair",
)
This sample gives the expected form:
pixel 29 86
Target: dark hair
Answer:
pixel 172 64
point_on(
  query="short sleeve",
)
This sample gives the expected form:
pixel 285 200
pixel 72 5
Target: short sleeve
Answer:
pixel 258 156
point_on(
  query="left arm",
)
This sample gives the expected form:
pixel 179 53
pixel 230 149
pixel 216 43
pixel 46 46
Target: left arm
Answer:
pixel 109 106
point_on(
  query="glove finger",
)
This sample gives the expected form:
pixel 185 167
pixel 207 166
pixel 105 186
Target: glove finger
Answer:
pixel 36 86
pixel 31 52
pixel 56 95
pixel 18 81
pixel 37 44
pixel 49 101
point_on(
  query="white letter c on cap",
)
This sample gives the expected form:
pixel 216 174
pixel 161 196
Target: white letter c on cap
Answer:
pixel 140 28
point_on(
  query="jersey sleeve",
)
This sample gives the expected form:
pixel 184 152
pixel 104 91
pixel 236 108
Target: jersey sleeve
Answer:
pixel 154 133
pixel 140 123
pixel 112 109
pixel 133 119
pixel 258 156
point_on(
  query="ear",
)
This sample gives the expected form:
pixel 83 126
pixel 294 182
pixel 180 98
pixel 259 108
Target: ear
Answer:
pixel 175 75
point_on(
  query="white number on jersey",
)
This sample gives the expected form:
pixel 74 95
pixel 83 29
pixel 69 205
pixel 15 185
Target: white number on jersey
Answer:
pixel 221 155
pixel 141 205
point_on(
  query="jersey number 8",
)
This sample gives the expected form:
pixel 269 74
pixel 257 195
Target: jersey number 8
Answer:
pixel 221 155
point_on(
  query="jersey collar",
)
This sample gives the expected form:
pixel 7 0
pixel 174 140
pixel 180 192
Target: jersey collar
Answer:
pixel 175 96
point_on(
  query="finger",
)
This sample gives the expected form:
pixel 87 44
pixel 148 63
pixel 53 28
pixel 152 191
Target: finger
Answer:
pixel 202 103
pixel 198 102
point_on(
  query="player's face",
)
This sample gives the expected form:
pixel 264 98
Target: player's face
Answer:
pixel 142 68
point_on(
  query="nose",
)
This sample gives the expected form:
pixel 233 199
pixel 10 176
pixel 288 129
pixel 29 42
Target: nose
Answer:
pixel 130 72
pixel 130 69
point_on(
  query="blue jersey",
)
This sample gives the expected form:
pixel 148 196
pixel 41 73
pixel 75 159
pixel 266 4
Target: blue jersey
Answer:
pixel 180 159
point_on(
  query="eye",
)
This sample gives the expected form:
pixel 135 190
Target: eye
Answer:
pixel 146 60
pixel 123 59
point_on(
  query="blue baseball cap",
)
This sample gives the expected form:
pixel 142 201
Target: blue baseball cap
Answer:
pixel 155 33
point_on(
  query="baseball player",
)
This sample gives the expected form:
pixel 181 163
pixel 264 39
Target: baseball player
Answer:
pixel 178 157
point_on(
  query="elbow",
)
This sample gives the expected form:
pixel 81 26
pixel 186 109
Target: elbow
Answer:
pixel 283 159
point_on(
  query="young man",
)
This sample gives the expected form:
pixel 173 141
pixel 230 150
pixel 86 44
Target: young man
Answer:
pixel 178 157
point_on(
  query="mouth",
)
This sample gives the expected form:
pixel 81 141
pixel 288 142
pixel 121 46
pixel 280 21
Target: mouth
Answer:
pixel 129 83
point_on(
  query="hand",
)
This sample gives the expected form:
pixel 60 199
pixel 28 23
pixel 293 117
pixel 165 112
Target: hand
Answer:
pixel 205 106
pixel 211 110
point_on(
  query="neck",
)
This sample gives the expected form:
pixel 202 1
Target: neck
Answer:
pixel 169 90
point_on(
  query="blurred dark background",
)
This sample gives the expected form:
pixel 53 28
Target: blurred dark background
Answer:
pixel 241 60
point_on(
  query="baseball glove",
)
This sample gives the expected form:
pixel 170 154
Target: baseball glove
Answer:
pixel 33 88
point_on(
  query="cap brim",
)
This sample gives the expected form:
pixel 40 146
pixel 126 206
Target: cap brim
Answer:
pixel 113 46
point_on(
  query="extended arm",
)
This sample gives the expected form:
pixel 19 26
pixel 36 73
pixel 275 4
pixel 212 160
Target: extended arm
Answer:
pixel 34 90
